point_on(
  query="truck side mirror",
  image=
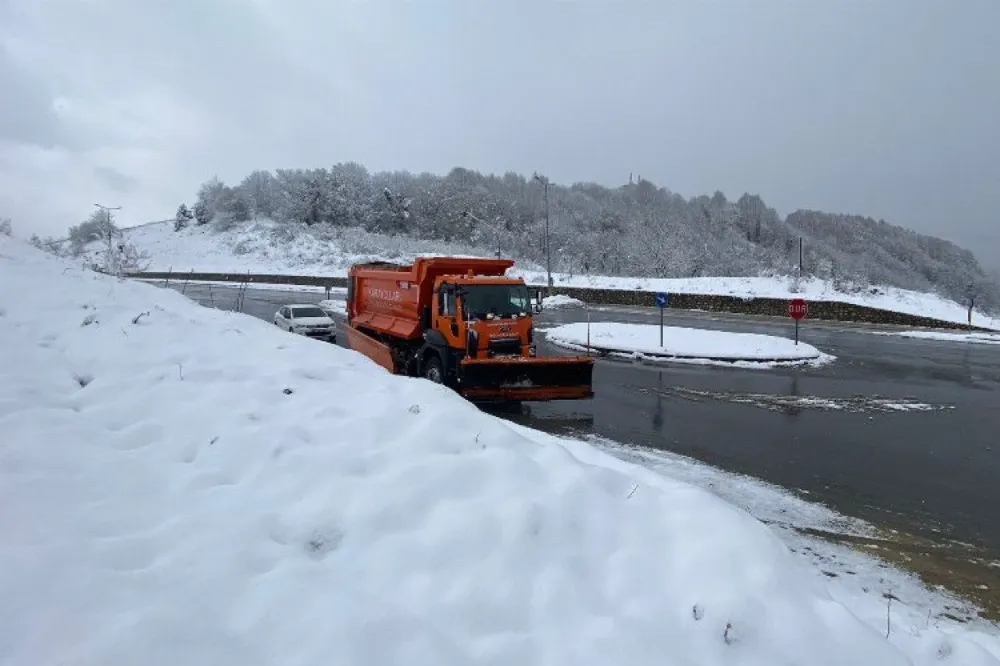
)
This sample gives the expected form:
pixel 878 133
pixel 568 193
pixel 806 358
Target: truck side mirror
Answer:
pixel 538 300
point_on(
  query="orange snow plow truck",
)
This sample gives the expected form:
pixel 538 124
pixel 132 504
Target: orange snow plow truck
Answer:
pixel 462 323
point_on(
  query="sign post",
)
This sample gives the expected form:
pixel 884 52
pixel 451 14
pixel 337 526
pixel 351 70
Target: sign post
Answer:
pixel 797 309
pixel 662 299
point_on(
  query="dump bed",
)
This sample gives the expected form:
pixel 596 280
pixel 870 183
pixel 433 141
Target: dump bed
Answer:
pixel 391 298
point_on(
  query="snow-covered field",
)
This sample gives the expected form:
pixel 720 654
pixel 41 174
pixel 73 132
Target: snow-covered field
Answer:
pixel 685 344
pixel 183 485
pixel 262 247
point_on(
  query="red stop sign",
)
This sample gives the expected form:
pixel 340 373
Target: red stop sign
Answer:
pixel 797 308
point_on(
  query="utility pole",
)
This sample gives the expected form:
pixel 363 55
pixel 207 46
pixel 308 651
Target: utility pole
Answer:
pixel 548 253
pixel 110 231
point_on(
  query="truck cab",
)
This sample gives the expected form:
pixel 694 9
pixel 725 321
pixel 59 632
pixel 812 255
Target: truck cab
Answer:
pixel 484 317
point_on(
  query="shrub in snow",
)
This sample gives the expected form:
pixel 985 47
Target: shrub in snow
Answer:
pixel 6 228
pixel 125 258
pixel 242 247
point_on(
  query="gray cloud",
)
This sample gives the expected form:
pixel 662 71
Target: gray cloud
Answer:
pixel 116 180
pixel 881 108
pixel 26 113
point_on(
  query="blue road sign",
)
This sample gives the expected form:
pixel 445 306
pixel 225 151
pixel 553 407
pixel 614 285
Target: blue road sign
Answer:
pixel 661 299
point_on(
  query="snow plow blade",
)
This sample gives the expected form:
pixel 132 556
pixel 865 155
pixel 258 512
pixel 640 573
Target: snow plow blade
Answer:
pixel 370 347
pixel 528 379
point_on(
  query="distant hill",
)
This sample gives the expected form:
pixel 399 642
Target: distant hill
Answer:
pixel 637 229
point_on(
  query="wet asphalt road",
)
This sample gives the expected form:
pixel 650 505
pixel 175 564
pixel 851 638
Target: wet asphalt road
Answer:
pixel 933 473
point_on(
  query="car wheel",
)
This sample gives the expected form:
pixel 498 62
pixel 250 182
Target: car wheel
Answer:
pixel 433 371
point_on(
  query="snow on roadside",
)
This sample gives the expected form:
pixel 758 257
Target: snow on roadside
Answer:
pixel 684 344
pixel 187 485
pixel 336 307
pixel 942 336
pixel 558 301
pixel 260 247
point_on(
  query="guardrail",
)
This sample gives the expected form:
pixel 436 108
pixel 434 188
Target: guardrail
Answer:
pixel 768 307
pixel 240 278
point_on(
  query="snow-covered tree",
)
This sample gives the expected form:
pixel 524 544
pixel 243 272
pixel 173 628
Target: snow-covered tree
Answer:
pixel 183 217
pixel 202 213
pixel 231 209
pixel 6 228
pixel 209 194
pixel 100 226
pixel 260 192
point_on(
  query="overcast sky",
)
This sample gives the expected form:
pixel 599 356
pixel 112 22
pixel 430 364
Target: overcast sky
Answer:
pixel 888 108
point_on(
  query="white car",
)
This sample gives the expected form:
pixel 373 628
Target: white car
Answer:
pixel 308 320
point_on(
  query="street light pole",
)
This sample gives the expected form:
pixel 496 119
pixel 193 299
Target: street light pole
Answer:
pixel 107 211
pixel 548 253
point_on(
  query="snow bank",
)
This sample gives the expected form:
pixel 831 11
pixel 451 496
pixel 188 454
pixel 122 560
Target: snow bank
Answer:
pixel 336 307
pixel 185 485
pixel 561 301
pixel 262 247
pixel 683 344
pixel 977 338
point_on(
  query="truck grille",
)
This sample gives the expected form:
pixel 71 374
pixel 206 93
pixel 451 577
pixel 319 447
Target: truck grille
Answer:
pixel 511 347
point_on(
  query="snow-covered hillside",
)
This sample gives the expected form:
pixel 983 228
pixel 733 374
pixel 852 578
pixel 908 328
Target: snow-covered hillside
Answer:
pixel 186 485
pixel 263 247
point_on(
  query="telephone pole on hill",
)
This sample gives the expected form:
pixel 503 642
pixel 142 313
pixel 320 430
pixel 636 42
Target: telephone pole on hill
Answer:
pixel 548 254
pixel 109 229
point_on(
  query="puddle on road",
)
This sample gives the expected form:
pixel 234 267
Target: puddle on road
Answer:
pixel 796 403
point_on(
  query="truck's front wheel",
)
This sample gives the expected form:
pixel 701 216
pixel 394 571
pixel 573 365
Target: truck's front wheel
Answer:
pixel 433 371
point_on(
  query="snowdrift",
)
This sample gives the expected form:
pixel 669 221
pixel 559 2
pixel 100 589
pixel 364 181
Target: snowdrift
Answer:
pixel 684 344
pixel 188 486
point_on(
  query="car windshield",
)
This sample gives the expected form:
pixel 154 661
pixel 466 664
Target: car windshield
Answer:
pixel 499 300
pixel 299 313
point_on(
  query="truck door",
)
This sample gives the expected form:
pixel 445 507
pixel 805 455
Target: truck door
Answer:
pixel 446 316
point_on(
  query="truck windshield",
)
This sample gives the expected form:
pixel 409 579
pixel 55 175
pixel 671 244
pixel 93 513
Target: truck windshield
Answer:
pixel 499 300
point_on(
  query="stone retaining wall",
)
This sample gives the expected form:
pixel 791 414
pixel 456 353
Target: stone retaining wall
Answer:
pixel 771 307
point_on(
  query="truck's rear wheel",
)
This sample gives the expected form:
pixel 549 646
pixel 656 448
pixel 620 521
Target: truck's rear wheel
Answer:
pixel 433 371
